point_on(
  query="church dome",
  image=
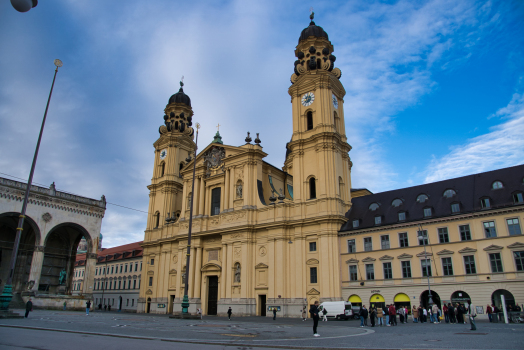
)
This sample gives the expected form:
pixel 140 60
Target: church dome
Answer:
pixel 313 30
pixel 180 97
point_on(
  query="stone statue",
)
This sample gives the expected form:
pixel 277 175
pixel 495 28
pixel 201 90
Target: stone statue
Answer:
pixel 239 191
pixel 237 274
pixel 62 277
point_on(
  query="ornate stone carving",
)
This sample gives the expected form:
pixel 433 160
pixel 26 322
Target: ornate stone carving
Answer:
pixel 213 157
pixel 237 252
pixel 239 190
pixel 212 255
pixel 237 235
pixel 175 258
pixel 237 273
pixel 215 221
pixel 262 251
pixel 47 217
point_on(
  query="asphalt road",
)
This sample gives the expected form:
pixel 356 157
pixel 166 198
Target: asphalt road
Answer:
pixel 69 329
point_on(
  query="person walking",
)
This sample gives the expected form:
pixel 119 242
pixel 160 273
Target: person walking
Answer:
pixel 489 311
pixel 199 312
pixel 380 316
pixel 274 313
pixel 372 314
pixel 386 312
pixel 324 314
pixel 315 313
pixel 424 315
pixel 445 311
pixel 436 313
pixel 472 315
pixel 495 313
pixel 304 313
pixel 88 306
pixel 100 306
pixel 415 314
pixel 28 307
pixel 392 315
pixel 229 312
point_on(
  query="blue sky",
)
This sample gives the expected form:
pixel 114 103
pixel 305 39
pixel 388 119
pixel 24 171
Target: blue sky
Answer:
pixel 435 89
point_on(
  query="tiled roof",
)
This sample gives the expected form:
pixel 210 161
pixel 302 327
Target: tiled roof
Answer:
pixel 116 253
pixel 469 191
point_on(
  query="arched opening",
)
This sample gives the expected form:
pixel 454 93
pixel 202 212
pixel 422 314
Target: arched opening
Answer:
pixel 336 121
pixel 157 219
pixel 434 296
pixel 377 301
pixel 312 188
pixel 355 300
pixel 497 300
pixel 340 187
pixel 402 300
pixel 29 238
pixel 120 303
pixel 148 305
pixel 59 258
pixel 460 297
pixel 162 169
pixel 180 167
pixel 309 120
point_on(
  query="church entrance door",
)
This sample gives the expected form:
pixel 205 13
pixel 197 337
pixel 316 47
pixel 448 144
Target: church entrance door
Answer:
pixel 212 295
pixel 262 302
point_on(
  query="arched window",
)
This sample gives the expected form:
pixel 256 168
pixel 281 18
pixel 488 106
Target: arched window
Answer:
pixel 180 167
pixel 497 185
pixel 162 169
pixel 422 198
pixel 157 219
pixel 373 206
pixel 449 193
pixel 336 121
pixel 340 187
pixel 312 188
pixel 396 202
pixel 215 201
pixel 309 121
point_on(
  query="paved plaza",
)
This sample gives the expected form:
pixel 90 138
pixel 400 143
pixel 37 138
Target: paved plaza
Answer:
pixel 46 329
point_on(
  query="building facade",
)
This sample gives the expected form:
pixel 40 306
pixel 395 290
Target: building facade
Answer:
pixel 472 247
pixel 261 236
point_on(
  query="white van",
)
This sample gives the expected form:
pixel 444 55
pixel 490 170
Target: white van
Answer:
pixel 337 309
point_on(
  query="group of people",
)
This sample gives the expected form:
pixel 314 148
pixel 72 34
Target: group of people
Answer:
pixel 492 311
pixel 386 316
pixel 106 307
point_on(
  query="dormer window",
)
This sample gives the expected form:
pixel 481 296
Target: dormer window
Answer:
pixel 518 198
pixel 455 208
pixel 396 203
pixel 427 212
pixel 402 216
pixel 378 220
pixel 449 193
pixel 422 198
pixel 356 223
pixel 485 203
pixel 373 206
pixel 497 185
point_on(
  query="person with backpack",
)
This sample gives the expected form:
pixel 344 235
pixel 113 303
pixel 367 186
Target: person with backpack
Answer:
pixel 324 314
pixel 414 312
pixel 380 316
pixel 392 315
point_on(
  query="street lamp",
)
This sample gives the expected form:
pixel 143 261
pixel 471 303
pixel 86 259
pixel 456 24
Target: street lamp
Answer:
pixel 185 301
pixel 24 5
pixel 7 295
pixel 422 238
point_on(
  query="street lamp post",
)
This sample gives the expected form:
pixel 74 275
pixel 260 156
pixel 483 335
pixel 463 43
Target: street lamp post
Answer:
pixel 7 295
pixel 185 301
pixel 421 237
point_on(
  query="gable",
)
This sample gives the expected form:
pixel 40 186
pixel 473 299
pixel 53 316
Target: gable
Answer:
pixel 445 252
pixel 493 247
pixel 467 250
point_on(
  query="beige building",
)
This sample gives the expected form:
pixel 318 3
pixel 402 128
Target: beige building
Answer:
pixel 475 246
pixel 262 236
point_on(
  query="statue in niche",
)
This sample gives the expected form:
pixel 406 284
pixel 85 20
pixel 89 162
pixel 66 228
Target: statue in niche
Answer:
pixel 237 274
pixel 239 190
pixel 62 277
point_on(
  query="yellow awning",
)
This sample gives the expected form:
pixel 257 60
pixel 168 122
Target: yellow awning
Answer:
pixel 401 297
pixel 377 298
pixel 354 299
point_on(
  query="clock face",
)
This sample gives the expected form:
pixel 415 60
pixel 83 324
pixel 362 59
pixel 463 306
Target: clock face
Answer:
pixel 308 99
pixel 163 153
pixel 335 100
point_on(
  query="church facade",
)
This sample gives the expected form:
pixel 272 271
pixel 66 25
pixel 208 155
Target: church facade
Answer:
pixel 262 237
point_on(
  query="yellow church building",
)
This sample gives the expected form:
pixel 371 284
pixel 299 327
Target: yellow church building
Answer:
pixel 262 237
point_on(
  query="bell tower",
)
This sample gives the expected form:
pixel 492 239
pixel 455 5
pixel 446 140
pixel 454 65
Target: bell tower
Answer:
pixel 171 150
pixel 318 151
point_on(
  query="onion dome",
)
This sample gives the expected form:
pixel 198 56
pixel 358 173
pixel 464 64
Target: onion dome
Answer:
pixel 312 30
pixel 180 97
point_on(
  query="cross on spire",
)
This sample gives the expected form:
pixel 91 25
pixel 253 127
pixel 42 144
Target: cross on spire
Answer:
pixel 218 127
pixel 182 81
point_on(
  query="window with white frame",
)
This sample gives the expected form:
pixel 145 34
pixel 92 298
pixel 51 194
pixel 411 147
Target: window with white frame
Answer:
pixel 489 229
pixel 426 267
pixel 388 271
pixel 403 239
pixel 423 237
pixel 352 248
pixel 496 262
pixel 469 264
pixel 465 233
pixel 353 276
pixel 356 223
pixel 368 244
pixel 406 269
pixel 519 260
pixel 443 236
pixel 384 242
pixel 455 208
pixel 370 272
pixel 513 226
pixel 447 266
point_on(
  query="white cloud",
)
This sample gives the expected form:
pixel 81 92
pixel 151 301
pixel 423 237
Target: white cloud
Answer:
pixel 502 147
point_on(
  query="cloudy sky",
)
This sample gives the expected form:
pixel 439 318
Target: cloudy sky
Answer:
pixel 435 89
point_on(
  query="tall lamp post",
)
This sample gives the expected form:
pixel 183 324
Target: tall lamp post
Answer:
pixel 185 301
pixel 7 295
pixel 422 238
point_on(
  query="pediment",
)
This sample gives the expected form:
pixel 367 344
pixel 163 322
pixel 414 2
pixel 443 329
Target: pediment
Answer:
pixel 352 261
pixel 172 271
pixel 467 250
pixel 493 247
pixel 386 257
pixel 368 259
pixel 261 266
pixel 231 151
pixel 312 262
pixel 516 245
pixel 149 291
pixel 313 291
pixel 211 267
pixel 424 254
pixel 445 252
pixel 404 256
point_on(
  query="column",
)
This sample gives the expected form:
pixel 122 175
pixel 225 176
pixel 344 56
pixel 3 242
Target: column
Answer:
pixel 196 196
pixel 191 272
pixel 36 266
pixel 233 193
pixel 89 277
pixel 224 271
pixel 198 274
pixel 201 204
pixel 227 190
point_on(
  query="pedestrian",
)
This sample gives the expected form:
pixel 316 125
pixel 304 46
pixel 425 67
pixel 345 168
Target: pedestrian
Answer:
pixel 324 314
pixel 401 314
pixel 372 314
pixel 28 307
pixel 229 312
pixel 105 307
pixel 472 315
pixel 415 314
pixel 446 315
pixel 406 314
pixel 199 312
pixel 495 313
pixel 436 313
pixel 386 313
pixel 420 314
pixel 100 306
pixel 366 314
pixel 489 310
pixel 451 312
pixel 65 305
pixel 88 306
pixel 315 313
pixel 274 313
pixel 460 313
pixel 304 313
pixel 392 315
pixel 380 316
pixel 425 315
pixel 108 307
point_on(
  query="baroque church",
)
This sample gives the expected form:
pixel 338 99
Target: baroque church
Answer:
pixel 262 237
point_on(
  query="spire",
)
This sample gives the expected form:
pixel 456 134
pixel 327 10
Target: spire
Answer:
pixel 311 16
pixel 217 139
